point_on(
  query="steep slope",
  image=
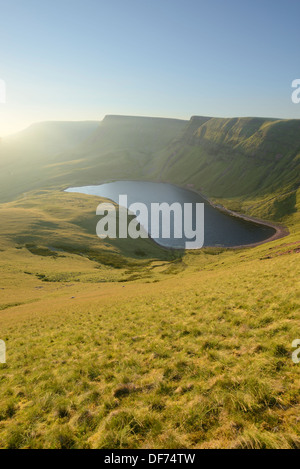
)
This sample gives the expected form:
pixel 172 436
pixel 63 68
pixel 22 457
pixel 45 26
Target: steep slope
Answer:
pixel 235 158
pixel 141 134
pixel 123 147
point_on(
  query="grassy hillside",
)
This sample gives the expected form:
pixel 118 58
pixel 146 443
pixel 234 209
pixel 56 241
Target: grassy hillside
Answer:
pixel 58 155
pixel 251 165
pixel 55 224
pixel 192 353
pixel 238 160
pixel 123 344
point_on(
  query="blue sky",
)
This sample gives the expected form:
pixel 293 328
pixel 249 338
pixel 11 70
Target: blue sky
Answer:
pixel 82 59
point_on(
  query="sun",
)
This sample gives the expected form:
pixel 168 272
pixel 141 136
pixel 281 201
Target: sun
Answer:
pixel 10 123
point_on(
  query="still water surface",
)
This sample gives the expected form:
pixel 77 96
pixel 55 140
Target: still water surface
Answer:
pixel 220 229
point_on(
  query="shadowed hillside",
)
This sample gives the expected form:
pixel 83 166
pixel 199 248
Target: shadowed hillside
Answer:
pixel 123 147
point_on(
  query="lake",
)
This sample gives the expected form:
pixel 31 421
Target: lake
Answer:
pixel 220 229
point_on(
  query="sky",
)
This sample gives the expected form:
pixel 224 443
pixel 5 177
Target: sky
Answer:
pixel 83 59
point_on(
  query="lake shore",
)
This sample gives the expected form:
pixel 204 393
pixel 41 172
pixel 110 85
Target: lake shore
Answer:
pixel 280 231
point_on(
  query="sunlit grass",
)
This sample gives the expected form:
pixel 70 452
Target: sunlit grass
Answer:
pixel 191 357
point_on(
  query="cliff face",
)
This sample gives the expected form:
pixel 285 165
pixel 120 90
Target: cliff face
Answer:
pixel 260 138
pixel 235 157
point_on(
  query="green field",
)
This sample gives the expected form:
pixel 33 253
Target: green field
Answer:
pixel 124 344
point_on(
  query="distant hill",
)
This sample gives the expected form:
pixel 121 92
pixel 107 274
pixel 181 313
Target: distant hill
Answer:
pixel 45 139
pixel 23 155
pixel 145 135
pixel 52 155
pixel 227 159
pixel 123 147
